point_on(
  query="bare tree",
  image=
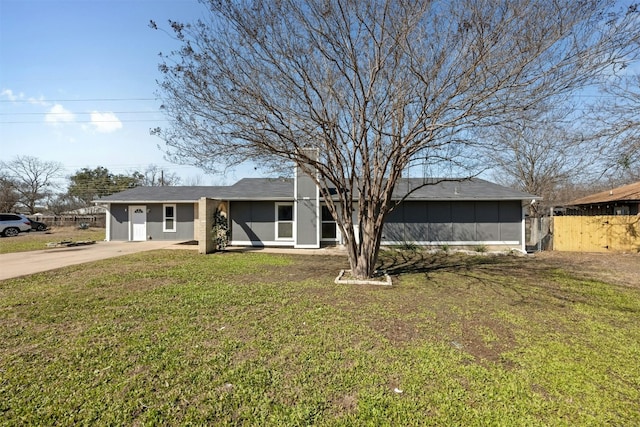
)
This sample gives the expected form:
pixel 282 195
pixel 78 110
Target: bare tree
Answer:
pixel 65 202
pixel 541 152
pixel 34 179
pixel 8 195
pixel 155 176
pixel 372 86
pixel 194 181
pixel 617 116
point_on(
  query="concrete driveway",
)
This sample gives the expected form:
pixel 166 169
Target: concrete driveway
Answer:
pixel 24 263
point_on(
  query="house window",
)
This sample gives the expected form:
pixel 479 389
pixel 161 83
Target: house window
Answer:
pixel 169 218
pixel 621 210
pixel 328 225
pixel 284 220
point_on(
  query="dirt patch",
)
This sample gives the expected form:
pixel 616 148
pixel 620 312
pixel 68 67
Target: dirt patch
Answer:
pixel 56 234
pixel 621 269
pixel 456 299
pixel 306 267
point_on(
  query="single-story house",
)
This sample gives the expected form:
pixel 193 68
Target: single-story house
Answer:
pixel 290 212
pixel 623 200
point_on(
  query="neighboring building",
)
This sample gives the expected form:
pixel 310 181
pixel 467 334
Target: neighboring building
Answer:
pixel 290 212
pixel 623 200
pixel 89 210
pixel 608 221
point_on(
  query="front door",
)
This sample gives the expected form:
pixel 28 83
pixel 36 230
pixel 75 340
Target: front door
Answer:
pixel 138 223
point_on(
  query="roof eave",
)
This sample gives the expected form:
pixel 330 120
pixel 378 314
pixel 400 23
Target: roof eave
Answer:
pixel 102 202
pixel 232 199
pixel 469 199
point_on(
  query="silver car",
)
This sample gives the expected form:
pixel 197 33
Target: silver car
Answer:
pixel 12 224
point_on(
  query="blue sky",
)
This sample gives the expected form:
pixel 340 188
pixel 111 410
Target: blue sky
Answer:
pixel 78 82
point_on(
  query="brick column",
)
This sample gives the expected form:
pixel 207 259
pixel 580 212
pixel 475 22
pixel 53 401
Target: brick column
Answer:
pixel 206 209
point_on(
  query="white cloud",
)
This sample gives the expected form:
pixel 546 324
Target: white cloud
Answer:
pixel 105 122
pixel 8 93
pixel 58 114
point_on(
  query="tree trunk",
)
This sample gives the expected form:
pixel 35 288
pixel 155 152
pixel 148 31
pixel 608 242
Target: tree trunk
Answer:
pixel 363 255
pixel 365 262
pixel 358 81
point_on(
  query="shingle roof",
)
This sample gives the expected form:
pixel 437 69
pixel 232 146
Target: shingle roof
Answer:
pixel 282 189
pixel 470 189
pixel 162 194
pixel 259 189
pixel 626 193
pixel 245 189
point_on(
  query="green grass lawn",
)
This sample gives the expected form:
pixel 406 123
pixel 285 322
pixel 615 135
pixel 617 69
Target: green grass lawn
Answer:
pixel 172 337
pixel 37 240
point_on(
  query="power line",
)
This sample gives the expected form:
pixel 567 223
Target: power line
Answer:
pixel 35 100
pixel 42 113
pixel 73 120
pixel 87 121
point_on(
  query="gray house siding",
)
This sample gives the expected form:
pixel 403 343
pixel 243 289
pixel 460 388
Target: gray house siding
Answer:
pixel 119 222
pixel 438 219
pixel 307 213
pixel 184 222
pixel 307 223
pixel 155 215
pixel 487 228
pixel 511 221
pixel 287 212
pixel 464 221
pixel 253 223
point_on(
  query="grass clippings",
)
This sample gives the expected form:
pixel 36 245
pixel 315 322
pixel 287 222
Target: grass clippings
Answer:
pixel 176 338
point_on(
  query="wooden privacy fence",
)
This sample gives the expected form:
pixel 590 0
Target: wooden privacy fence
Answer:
pixel 601 233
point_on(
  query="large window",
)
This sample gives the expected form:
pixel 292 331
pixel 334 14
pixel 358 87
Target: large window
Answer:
pixel 169 218
pixel 328 225
pixel 284 220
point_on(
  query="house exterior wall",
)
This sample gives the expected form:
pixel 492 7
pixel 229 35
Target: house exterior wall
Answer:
pixel 297 221
pixel 466 223
pixel 307 212
pixel 253 223
pixel 119 229
pixel 307 224
pixel 493 223
pixel 184 222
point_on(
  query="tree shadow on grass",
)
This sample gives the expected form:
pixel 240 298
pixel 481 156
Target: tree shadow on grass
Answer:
pixel 521 280
pixel 399 262
pixel 516 278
